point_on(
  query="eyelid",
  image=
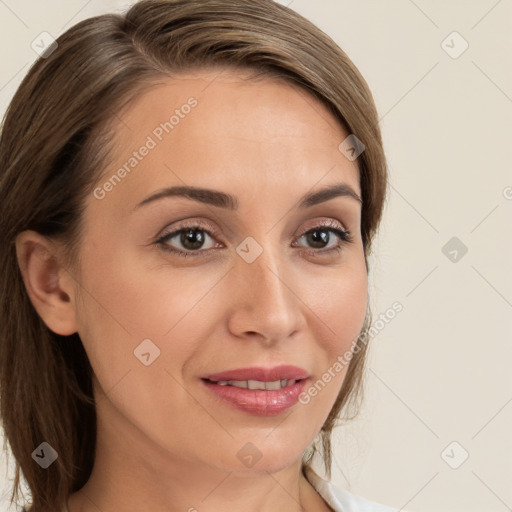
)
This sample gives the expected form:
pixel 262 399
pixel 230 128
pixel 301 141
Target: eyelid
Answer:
pixel 191 223
pixel 324 222
pixel 188 224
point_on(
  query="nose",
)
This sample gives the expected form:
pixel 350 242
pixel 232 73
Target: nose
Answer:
pixel 263 300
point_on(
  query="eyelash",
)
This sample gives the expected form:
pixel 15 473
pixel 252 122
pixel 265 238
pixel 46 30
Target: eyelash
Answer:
pixel 331 226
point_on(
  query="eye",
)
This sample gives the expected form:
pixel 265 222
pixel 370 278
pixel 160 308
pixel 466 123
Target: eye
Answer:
pixel 192 238
pixel 319 235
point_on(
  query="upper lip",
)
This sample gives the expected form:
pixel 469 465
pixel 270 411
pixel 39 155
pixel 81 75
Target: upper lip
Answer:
pixel 261 374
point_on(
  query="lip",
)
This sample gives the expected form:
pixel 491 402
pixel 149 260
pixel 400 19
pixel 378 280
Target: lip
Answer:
pixel 268 402
pixel 260 373
pixel 261 402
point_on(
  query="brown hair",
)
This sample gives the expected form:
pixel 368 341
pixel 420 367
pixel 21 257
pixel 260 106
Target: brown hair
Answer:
pixel 54 144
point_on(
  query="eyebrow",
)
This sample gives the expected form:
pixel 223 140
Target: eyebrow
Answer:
pixel 229 202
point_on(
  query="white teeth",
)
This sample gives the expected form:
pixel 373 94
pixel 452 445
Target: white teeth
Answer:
pixel 278 384
pixel 238 383
pixel 257 384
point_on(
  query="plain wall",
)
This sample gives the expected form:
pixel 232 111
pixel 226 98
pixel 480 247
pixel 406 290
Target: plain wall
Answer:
pixel 438 384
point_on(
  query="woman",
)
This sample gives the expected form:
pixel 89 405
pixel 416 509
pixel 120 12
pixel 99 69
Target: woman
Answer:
pixel 188 195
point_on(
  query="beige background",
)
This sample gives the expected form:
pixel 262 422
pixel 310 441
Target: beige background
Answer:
pixel 439 372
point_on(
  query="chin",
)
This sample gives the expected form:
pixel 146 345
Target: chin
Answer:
pixel 265 464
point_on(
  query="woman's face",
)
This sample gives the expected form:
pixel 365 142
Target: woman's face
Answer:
pixel 255 290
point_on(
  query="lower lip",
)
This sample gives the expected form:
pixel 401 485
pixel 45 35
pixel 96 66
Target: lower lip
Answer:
pixel 262 402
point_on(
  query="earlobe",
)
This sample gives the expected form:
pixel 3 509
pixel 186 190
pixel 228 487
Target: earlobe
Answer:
pixel 46 282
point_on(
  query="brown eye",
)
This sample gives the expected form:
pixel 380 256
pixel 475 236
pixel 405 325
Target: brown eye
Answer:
pixel 319 236
pixel 191 238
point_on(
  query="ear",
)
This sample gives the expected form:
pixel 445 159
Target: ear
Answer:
pixel 49 285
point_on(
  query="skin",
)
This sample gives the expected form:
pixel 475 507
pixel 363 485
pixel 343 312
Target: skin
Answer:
pixel 164 442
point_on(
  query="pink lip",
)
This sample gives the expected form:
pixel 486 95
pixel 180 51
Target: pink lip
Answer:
pixel 260 373
pixel 262 402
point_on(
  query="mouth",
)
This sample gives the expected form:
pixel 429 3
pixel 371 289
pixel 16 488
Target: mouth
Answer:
pixel 256 384
pixel 259 391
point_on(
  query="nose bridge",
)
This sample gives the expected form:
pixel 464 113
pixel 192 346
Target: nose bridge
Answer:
pixel 263 294
pixel 261 267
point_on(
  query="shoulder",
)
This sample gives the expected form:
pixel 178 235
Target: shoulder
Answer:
pixel 341 500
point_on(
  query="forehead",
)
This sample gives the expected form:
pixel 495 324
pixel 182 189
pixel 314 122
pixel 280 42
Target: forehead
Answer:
pixel 213 127
pixel 262 108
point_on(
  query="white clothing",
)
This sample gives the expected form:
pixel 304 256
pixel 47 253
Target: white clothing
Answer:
pixel 341 500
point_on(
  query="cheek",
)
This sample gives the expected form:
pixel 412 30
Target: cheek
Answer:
pixel 124 302
pixel 339 309
pixel 339 302
pixel 140 300
pixel 349 312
